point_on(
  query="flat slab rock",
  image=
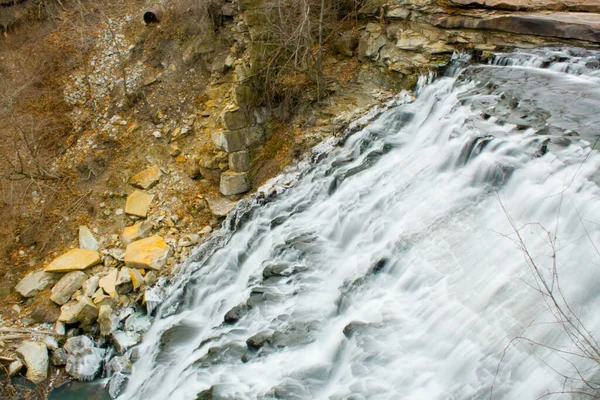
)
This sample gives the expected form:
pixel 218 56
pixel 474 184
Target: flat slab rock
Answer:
pixel 146 179
pixel 564 25
pixel 149 253
pixel 74 260
pixel 532 5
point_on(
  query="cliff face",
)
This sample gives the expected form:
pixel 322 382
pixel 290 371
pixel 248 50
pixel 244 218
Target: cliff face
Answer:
pixel 157 130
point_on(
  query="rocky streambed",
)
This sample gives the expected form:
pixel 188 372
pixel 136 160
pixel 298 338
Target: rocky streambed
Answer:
pixel 91 305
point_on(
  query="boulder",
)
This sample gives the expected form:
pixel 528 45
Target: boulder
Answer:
pixel 149 253
pixel 87 239
pixel 35 355
pixel 124 340
pixel 81 310
pixel 220 206
pixel 234 183
pixel 43 309
pixel 34 283
pixel 346 44
pixel 239 161
pixel 107 320
pixel 108 283
pixel 146 179
pixel 123 284
pixel 74 260
pixel 135 232
pixel 84 360
pixel 138 203
pixel 67 286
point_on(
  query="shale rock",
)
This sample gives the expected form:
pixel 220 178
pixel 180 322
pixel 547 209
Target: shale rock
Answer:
pixel 67 286
pixel 34 283
pixel 135 232
pixel 149 253
pixel 35 355
pixel 43 309
pixel 81 310
pixel 87 239
pixel 107 320
pixel 108 283
pixel 123 284
pixel 138 203
pixel 146 179
pixel 74 260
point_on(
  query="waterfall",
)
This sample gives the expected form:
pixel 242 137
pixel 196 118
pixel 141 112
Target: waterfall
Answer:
pixel 390 266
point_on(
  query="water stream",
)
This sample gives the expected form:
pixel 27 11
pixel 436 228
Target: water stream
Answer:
pixel 389 269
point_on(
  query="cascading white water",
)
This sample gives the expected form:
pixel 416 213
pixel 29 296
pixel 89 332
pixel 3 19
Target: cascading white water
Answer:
pixel 390 269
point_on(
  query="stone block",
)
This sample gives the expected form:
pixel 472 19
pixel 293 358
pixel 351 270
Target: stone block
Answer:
pixel 234 183
pixel 239 161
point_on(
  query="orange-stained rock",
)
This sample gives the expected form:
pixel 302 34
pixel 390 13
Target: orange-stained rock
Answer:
pixel 149 253
pixel 74 260
pixel 138 203
pixel 147 178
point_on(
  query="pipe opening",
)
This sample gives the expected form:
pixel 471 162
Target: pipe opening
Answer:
pixel 150 18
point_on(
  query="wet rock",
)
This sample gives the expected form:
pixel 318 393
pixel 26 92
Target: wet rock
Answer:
pixel 84 360
pixel 234 183
pixel 35 355
pixel 43 309
pixel 346 44
pixel 59 357
pixel 137 322
pixel 81 310
pixel 122 341
pixel 107 320
pixel 239 161
pixel 87 239
pixel 123 284
pixel 221 355
pixel 135 232
pixel 108 283
pixel 74 260
pixel 15 367
pixel 354 327
pixel 257 341
pixel 206 394
pixel 296 334
pixel 138 203
pixel 149 253
pixel 117 384
pixel 282 270
pixel 67 286
pixel 232 316
pixel 33 283
pixel 146 179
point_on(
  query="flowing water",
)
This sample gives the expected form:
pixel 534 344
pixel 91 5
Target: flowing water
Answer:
pixel 390 269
